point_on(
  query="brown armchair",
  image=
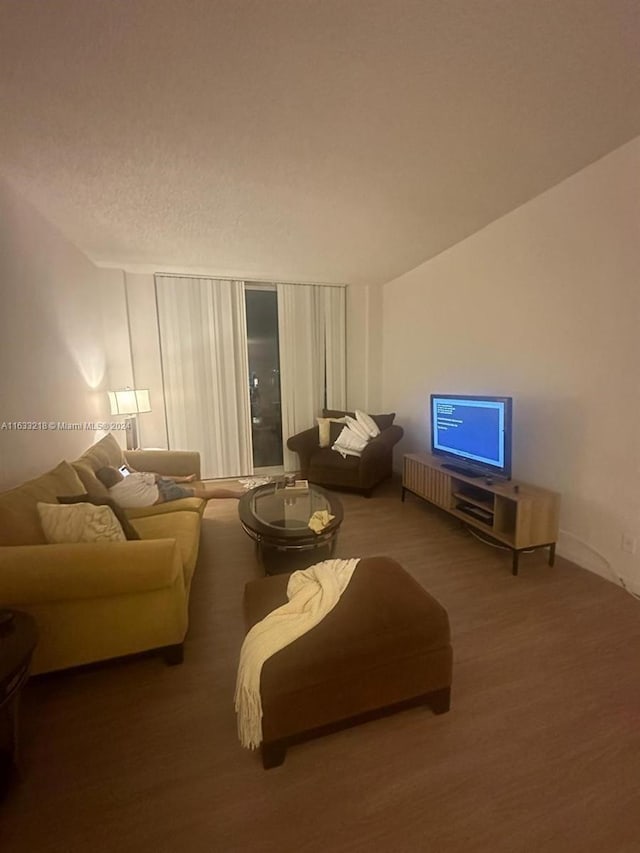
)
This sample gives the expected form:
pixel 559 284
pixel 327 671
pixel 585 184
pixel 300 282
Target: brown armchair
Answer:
pixel 327 467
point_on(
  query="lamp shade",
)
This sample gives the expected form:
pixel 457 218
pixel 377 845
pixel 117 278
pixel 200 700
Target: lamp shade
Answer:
pixel 129 401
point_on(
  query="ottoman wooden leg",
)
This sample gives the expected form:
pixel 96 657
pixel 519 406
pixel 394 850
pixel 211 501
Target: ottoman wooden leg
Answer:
pixel 440 700
pixel 273 754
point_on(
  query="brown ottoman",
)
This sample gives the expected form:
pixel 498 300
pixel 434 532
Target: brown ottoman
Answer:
pixel 384 647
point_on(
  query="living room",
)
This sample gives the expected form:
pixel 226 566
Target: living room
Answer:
pixel 520 281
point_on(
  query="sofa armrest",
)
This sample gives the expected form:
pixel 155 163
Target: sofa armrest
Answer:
pixel 34 574
pixel 179 463
pixel 304 444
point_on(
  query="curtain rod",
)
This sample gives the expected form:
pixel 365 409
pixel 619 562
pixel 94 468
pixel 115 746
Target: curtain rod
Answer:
pixel 247 279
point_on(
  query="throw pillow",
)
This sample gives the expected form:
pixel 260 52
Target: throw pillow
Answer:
pixel 356 427
pixel 367 423
pixel 384 421
pixel 324 430
pixel 127 528
pixel 336 429
pixel 84 522
pixel 349 443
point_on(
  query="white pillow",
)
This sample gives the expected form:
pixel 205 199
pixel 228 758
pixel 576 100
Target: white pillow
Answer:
pixel 367 423
pixel 324 429
pixel 82 522
pixel 349 443
pixel 356 427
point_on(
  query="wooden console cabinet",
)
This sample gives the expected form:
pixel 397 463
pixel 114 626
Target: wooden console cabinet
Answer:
pixel 513 513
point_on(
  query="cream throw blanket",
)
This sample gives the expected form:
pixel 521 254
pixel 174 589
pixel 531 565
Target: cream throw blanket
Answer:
pixel 312 594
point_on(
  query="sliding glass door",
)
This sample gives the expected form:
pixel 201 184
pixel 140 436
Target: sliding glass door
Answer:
pixel 264 375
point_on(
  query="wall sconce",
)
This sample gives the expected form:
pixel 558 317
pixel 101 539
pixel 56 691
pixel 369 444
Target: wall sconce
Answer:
pixel 130 402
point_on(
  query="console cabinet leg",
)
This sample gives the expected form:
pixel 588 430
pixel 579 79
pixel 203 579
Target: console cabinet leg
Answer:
pixel 514 563
pixel 552 553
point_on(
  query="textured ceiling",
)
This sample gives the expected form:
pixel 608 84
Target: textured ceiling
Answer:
pixel 335 140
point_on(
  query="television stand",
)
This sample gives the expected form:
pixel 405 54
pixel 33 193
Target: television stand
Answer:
pixel 460 469
pixel 515 514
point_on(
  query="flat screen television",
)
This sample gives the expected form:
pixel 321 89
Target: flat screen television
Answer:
pixel 472 433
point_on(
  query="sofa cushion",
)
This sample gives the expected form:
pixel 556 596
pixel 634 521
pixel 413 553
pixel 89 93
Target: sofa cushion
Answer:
pixel 127 528
pixel 80 522
pixel 167 507
pixel 91 483
pixel 104 453
pixel 184 527
pixel 328 458
pixel 19 519
pixel 107 451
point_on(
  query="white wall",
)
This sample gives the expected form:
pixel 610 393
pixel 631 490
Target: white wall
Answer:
pixel 542 305
pixel 364 348
pixel 145 349
pixel 52 356
pixel 115 321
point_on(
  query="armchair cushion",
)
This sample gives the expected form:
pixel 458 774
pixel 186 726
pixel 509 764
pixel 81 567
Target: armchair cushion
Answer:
pixel 326 457
pixel 382 421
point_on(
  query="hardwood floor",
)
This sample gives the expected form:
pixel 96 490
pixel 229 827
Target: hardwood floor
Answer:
pixel 540 751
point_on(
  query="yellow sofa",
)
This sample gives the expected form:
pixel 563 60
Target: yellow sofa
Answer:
pixel 99 600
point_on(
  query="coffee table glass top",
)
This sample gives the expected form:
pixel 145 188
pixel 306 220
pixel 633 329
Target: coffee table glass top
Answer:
pixel 272 509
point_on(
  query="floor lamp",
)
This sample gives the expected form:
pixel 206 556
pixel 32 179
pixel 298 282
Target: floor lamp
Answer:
pixel 130 402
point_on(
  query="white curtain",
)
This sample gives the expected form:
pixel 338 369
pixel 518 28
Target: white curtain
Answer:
pixel 333 306
pixel 203 343
pixel 311 323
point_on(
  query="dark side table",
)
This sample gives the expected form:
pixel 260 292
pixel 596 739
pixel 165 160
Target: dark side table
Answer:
pixel 18 638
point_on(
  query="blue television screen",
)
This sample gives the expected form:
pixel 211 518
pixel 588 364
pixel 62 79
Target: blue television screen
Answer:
pixel 473 432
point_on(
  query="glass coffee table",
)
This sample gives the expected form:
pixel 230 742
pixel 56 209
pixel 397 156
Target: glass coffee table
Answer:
pixel 277 519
